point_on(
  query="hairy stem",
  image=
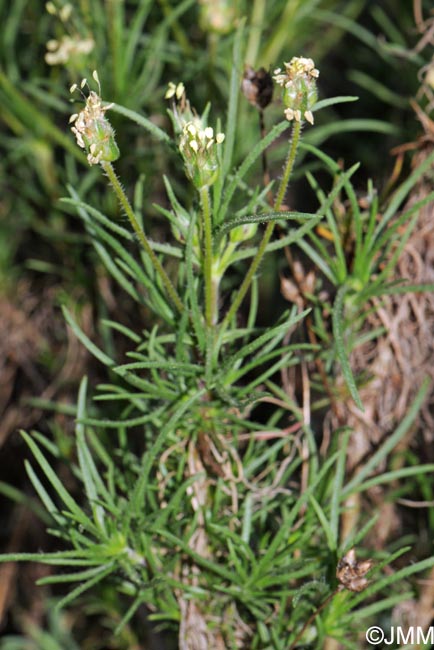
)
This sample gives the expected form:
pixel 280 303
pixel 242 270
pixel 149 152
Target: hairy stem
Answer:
pixel 123 200
pixel 210 285
pixel 296 130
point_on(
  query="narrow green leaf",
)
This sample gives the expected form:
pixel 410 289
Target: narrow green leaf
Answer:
pixel 275 334
pixel 338 332
pixel 187 368
pixel 92 481
pixel 408 288
pixel 320 134
pixel 105 570
pixel 338 481
pixel 61 558
pixel 130 613
pixel 77 576
pixel 331 101
pixel 84 209
pixel 93 349
pixel 247 518
pixel 324 523
pixel 126 331
pixel 75 510
pixel 149 126
pixel 10 492
pixel 264 218
pixel 118 275
pixel 138 497
pixel 192 287
pixel 234 91
pixel 201 561
pixel 281 537
pixel 43 495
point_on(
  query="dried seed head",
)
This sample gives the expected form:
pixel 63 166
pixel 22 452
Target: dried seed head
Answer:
pixel 257 87
pixel 351 573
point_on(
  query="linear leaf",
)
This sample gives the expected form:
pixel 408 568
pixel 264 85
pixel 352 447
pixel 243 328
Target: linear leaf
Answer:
pixel 93 349
pixel 338 331
pixel 105 570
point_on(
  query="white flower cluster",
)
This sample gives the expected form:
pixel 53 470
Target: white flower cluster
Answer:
pixel 92 129
pixel 197 142
pixel 299 88
pixel 200 140
pixel 70 48
pixel 198 147
pixel 60 52
pixel 297 67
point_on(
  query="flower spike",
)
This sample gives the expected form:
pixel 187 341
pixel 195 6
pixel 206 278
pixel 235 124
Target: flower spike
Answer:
pixel 92 130
pixel 299 88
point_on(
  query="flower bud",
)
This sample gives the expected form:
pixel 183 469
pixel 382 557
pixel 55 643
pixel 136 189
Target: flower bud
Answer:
pixel 299 88
pixel 243 233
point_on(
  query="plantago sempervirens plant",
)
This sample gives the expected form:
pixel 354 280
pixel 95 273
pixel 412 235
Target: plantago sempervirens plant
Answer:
pixel 210 455
pixel 215 520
